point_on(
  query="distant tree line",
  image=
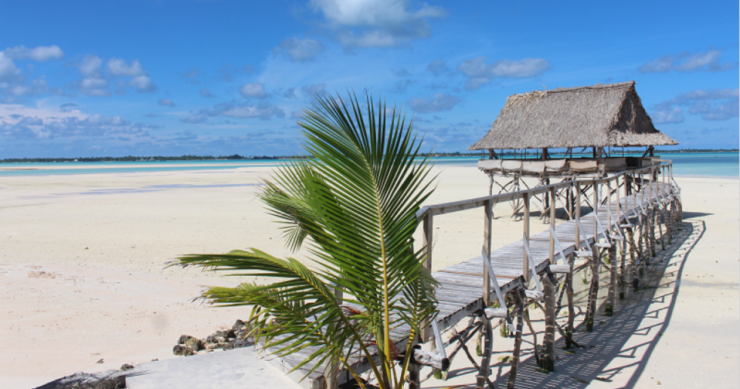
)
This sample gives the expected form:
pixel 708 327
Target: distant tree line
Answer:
pixel 159 158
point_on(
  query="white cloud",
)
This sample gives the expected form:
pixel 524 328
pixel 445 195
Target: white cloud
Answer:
pixel 7 67
pixel 166 102
pixel 143 84
pixel 205 93
pixel 667 114
pixel 709 104
pixel 253 90
pixel 94 87
pixel 438 67
pixel 315 89
pixel 687 62
pixel 90 66
pixel 40 53
pixel 300 50
pixel 376 23
pixel 20 122
pixel 438 102
pixel 481 73
pixel 118 67
pixel 95 82
pixel 263 110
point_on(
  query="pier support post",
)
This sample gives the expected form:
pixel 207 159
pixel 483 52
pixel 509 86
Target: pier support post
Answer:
pixel 519 301
pixel 484 371
pixel 632 269
pixel 593 291
pixel 548 359
pixel 611 299
pixel 571 307
pixel 414 374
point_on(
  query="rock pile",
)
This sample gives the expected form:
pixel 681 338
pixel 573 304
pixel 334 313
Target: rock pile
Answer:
pixel 220 340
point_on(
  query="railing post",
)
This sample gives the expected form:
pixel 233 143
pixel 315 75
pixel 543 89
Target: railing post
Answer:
pixel 488 218
pixel 596 209
pixel 552 223
pixel 525 226
pixel 428 226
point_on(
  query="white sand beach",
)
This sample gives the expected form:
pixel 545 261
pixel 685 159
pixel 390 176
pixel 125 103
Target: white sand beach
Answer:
pixel 85 288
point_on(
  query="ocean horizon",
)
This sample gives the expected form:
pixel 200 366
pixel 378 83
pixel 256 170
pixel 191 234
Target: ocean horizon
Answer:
pixel 718 164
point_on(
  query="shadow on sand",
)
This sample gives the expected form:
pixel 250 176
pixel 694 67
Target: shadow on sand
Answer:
pixel 620 345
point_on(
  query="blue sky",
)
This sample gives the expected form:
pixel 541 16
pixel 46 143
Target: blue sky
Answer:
pixel 113 78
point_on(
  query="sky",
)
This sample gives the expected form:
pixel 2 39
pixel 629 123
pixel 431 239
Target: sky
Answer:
pixel 177 77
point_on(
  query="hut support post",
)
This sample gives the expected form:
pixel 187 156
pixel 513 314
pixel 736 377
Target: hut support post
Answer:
pixel 519 301
pixel 548 359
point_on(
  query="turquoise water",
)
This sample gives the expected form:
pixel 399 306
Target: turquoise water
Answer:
pixel 688 164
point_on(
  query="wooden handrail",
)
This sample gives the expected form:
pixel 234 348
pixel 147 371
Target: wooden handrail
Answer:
pixel 462 205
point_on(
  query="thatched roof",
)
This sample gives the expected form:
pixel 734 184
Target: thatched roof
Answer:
pixel 589 116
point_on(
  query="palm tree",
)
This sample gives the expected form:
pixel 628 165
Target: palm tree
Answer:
pixel 356 200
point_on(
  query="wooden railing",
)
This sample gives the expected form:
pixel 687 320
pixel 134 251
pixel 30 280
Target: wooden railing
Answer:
pixel 634 183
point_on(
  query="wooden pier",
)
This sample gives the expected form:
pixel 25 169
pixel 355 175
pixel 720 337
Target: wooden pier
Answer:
pixel 618 232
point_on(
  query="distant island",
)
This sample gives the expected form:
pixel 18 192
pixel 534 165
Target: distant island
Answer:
pixel 237 157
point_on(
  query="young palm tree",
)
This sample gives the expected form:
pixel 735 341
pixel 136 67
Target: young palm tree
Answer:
pixel 355 199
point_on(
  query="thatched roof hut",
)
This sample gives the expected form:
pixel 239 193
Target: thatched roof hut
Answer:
pixel 590 116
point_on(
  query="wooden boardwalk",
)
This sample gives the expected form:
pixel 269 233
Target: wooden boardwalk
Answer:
pixel 460 293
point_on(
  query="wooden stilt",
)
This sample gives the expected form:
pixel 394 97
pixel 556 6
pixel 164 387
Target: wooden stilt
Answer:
pixel 632 269
pixel 519 301
pixel 548 359
pixel 595 260
pixel 611 299
pixel 593 290
pixel 571 308
pixel 414 374
pixel 484 371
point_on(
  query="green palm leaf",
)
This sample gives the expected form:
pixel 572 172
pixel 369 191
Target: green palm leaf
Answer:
pixel 352 207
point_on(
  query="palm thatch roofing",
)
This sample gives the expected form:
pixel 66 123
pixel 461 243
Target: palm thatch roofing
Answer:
pixel 589 116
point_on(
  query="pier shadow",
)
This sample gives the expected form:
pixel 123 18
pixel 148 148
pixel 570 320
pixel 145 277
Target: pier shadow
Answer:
pixel 620 346
pixel 691 215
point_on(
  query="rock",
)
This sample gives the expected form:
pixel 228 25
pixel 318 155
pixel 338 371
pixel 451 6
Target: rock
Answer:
pixel 230 334
pixel 182 350
pixel 100 361
pixel 238 325
pixel 102 380
pixel 211 346
pixel 126 367
pixel 195 344
pixel 243 343
pixel 184 338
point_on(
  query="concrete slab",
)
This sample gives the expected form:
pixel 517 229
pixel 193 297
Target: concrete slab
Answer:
pixel 238 368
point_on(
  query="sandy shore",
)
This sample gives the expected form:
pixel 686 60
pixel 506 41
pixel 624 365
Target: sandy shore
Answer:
pixel 83 256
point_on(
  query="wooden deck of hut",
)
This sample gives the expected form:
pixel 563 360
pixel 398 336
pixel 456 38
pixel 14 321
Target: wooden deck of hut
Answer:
pixel 622 203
